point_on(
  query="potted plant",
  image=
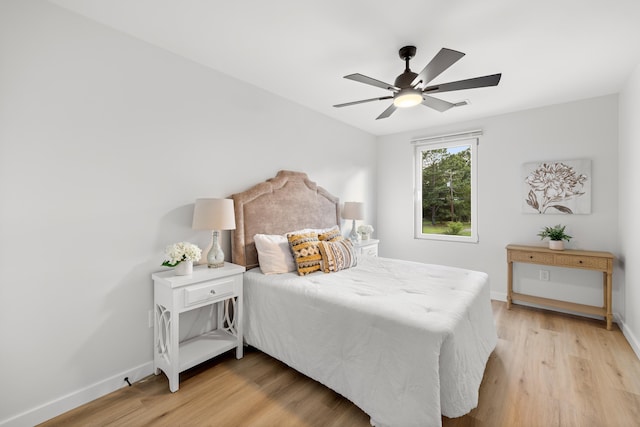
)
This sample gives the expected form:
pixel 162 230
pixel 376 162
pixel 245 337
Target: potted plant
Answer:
pixel 556 236
pixel 181 256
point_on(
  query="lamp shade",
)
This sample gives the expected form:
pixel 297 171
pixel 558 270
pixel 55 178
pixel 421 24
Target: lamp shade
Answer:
pixel 214 214
pixel 353 210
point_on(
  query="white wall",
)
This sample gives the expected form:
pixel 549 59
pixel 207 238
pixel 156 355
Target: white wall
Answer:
pixel 580 130
pixel 629 177
pixel 105 143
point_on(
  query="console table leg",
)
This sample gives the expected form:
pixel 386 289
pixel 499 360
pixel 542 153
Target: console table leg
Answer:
pixel 608 299
pixel 509 284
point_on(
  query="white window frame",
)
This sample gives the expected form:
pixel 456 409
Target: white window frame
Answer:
pixel 446 141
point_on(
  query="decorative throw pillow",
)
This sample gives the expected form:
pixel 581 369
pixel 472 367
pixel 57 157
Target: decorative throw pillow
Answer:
pixel 306 253
pixel 274 254
pixel 318 231
pixel 331 235
pixel 338 255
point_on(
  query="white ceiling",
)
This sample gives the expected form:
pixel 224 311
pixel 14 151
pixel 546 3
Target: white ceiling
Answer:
pixel 548 51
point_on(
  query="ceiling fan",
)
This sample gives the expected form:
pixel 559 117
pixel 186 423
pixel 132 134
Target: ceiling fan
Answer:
pixel 410 89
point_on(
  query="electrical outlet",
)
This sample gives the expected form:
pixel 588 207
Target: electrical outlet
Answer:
pixel 150 318
pixel 544 275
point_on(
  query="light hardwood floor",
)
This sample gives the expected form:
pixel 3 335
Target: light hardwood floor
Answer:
pixel 548 369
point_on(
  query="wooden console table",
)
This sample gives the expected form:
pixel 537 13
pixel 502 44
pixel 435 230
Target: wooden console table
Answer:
pixel 586 260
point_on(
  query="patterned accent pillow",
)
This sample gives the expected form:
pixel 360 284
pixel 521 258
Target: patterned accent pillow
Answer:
pixel 306 253
pixel 338 255
pixel 331 235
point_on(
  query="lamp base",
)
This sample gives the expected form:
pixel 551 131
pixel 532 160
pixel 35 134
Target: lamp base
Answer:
pixel 215 257
pixel 354 236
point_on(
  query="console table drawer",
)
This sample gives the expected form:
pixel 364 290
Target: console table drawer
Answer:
pixel 533 257
pixel 581 262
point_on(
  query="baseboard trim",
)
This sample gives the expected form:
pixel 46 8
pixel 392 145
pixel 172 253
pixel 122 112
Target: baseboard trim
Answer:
pixel 77 398
pixel 498 296
pixel 629 335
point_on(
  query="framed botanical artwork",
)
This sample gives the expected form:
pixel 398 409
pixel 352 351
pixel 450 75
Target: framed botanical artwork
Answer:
pixel 557 187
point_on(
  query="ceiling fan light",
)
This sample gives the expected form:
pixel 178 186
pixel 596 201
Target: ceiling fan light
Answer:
pixel 407 98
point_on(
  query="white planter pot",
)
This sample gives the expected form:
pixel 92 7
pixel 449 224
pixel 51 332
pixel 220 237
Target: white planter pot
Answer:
pixel 184 268
pixel 556 245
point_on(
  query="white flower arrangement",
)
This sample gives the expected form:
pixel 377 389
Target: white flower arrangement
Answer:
pixel 365 229
pixel 178 252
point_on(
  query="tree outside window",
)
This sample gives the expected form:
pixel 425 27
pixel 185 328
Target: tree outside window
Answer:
pixel 445 205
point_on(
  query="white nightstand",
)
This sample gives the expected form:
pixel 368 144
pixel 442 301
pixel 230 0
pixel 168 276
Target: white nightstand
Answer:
pixel 367 247
pixel 178 294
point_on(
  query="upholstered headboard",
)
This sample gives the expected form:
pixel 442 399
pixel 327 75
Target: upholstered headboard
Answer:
pixel 288 202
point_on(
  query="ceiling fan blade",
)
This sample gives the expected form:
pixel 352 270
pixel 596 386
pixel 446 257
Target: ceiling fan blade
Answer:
pixel 475 82
pixel 386 113
pixel 363 101
pixel 443 60
pixel 371 81
pixel 436 104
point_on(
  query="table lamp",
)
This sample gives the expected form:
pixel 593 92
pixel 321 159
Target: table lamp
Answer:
pixel 214 215
pixel 353 211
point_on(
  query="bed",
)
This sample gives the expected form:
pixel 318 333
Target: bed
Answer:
pixel 406 342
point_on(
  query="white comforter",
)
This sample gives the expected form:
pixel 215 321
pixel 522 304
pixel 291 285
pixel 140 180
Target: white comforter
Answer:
pixel 404 341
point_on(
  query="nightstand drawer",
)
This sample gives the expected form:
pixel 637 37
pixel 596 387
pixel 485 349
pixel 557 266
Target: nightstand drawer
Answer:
pixel 371 250
pixel 208 292
pixel 533 257
pixel 367 247
pixel 581 262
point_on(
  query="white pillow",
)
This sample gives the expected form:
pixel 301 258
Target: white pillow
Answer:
pixel 274 254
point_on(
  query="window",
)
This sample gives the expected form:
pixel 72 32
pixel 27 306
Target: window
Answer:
pixel 446 187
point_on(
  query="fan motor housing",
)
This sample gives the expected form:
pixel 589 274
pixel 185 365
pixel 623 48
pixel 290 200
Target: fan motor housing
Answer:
pixel 405 79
